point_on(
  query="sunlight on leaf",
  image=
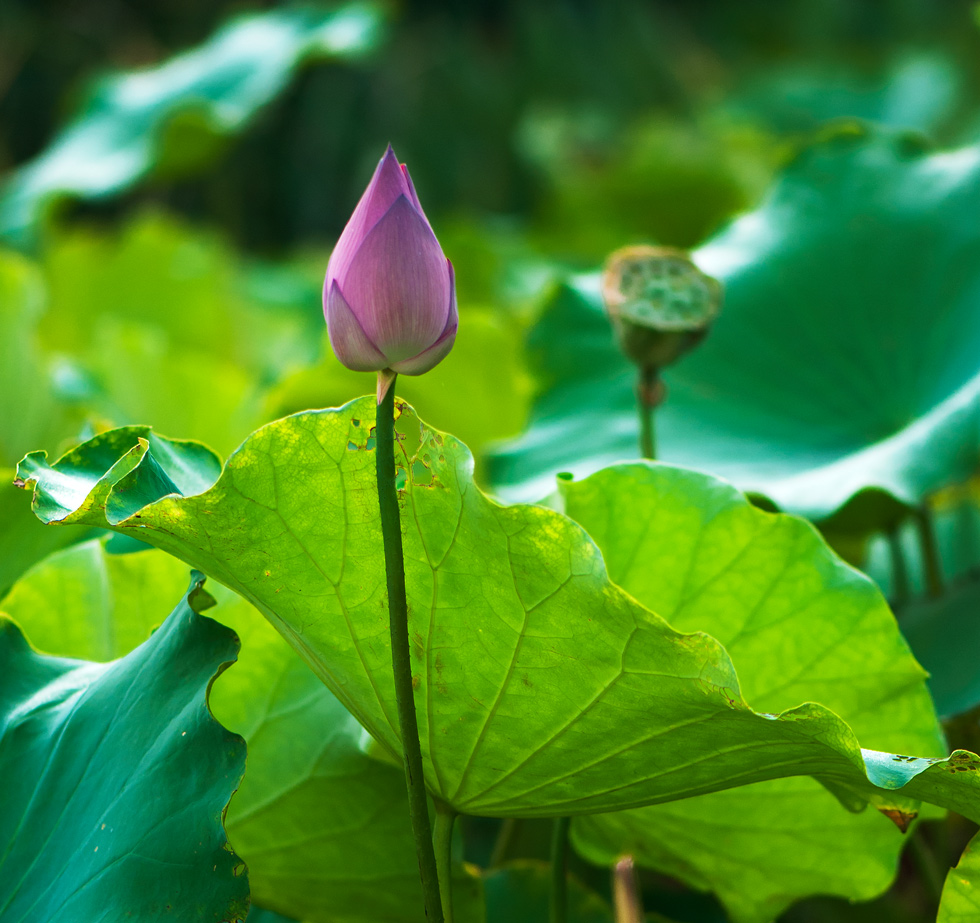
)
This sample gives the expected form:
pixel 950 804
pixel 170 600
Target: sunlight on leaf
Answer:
pixel 504 600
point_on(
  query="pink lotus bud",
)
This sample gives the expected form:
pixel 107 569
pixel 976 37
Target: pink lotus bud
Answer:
pixel 389 296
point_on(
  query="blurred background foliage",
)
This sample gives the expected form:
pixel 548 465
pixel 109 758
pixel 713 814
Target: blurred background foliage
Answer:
pixel 173 176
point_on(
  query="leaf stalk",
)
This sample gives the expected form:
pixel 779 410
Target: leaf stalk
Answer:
pixel 445 817
pixel 559 870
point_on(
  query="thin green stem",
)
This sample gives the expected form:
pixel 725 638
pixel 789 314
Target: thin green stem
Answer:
pixel 901 588
pixel 927 866
pixel 646 404
pixel 445 817
pixel 930 552
pixel 559 870
pixel 648 439
pixel 505 837
pixel 401 661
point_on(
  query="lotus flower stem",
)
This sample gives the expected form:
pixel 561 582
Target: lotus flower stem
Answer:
pixel 445 817
pixel 400 652
pixel 559 870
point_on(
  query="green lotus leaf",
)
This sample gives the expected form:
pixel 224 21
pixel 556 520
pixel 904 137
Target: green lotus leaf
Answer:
pixel 261 915
pixel 945 635
pixel 798 625
pixel 170 116
pixel 542 687
pixel 165 324
pixel 117 777
pixel 23 540
pixel 31 411
pixel 322 826
pixel 961 894
pixel 842 374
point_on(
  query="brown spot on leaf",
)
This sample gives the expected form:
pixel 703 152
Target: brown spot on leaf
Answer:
pixel 901 819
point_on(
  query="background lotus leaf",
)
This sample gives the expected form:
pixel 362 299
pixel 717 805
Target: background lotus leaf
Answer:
pixel 854 287
pixel 170 116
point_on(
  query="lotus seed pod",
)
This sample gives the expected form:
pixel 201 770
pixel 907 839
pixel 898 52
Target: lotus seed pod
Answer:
pixel 660 304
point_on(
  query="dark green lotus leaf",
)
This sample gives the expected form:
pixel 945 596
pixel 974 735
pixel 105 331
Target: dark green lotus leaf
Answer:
pixel 961 894
pixel 116 779
pixel 261 915
pixel 918 90
pixel 799 625
pixel 170 116
pixel 945 635
pixel 322 826
pixel 842 375
pixel 542 687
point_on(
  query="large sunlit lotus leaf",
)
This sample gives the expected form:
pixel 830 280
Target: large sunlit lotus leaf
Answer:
pixel 116 778
pixel 168 117
pixel 961 894
pixel 843 370
pixel 323 827
pixel 542 688
pixel 799 626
